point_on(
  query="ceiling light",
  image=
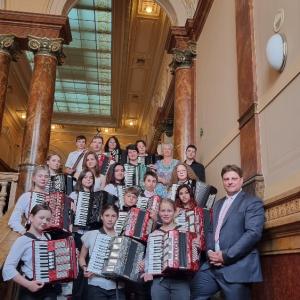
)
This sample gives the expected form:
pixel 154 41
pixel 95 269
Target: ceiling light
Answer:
pixel 149 9
pixel 53 126
pixel 23 116
pixel 106 130
pixel 131 123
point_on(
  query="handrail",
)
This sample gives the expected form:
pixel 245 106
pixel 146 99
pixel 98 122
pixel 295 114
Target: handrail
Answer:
pixel 8 199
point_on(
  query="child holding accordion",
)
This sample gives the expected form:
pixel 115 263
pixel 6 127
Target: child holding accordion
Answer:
pixel 100 287
pixel 22 251
pixel 172 285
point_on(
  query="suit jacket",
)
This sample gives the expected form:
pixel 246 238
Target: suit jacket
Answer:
pixel 241 230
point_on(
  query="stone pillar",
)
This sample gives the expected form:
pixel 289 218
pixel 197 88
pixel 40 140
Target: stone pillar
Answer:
pixel 182 68
pixel 7 53
pixel 48 53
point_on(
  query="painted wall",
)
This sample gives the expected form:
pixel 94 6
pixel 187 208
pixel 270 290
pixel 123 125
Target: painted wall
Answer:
pixel 216 92
pixel 278 98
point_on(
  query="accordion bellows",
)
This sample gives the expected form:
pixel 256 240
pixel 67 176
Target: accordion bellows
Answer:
pixel 54 260
pixel 116 257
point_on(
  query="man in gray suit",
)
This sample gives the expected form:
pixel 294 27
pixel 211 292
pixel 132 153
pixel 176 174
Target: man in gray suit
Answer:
pixel 232 258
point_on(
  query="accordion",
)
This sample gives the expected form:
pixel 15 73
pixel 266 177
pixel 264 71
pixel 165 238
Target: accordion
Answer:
pixel 193 221
pixel 131 177
pixel 61 218
pixel 88 207
pixel 60 183
pixel 124 258
pixel 205 195
pixel 99 254
pixel 37 198
pixel 121 221
pixel 121 195
pixel 116 257
pixel 173 191
pixel 138 224
pixel 147 160
pixel 54 260
pixel 151 203
pixel 172 251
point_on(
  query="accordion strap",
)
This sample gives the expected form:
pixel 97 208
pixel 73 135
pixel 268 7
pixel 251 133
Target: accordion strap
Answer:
pixel 32 236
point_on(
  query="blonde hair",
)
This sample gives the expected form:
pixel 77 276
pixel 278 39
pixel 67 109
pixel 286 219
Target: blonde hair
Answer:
pixel 168 201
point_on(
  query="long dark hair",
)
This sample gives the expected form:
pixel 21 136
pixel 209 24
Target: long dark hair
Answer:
pixel 106 147
pixel 110 177
pixel 78 186
pixel 96 170
pixel 192 201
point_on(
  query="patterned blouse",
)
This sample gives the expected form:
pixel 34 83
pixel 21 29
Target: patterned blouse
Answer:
pixel 164 171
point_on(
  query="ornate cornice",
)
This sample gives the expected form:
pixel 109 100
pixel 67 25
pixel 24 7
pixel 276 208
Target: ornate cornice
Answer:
pixel 183 58
pixel 8 45
pixel 46 46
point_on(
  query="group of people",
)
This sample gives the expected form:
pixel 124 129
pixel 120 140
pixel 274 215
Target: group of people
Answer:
pixel 229 261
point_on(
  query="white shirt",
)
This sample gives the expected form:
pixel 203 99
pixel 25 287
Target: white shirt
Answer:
pixel 20 250
pixel 88 240
pixel 112 189
pixel 99 183
pixel 21 209
pixel 72 157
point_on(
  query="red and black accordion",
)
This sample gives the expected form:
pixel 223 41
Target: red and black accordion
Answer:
pixel 54 260
pixel 192 220
pixel 60 205
pixel 151 203
pixel 138 224
pixel 172 251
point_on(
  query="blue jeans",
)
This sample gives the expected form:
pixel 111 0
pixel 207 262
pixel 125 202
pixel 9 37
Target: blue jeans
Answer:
pixel 170 289
pixel 97 293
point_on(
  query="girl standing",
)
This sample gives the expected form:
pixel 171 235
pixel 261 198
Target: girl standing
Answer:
pixel 21 250
pixel 115 179
pixel 100 287
pixel 40 178
pixel 184 198
pixel 90 162
pixel 167 287
pixel 54 164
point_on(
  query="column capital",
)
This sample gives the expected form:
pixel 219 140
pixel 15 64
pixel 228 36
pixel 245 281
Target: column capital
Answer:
pixel 183 58
pixel 47 46
pixel 8 45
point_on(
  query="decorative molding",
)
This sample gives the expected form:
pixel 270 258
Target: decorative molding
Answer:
pixel 282 206
pixel 9 45
pixel 46 46
pixel 23 24
pixel 183 58
pixel 282 226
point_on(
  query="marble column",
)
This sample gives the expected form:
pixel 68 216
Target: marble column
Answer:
pixel 7 53
pixel 48 53
pixel 182 67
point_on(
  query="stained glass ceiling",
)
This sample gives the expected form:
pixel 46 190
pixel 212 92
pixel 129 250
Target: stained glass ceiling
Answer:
pixel 83 82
